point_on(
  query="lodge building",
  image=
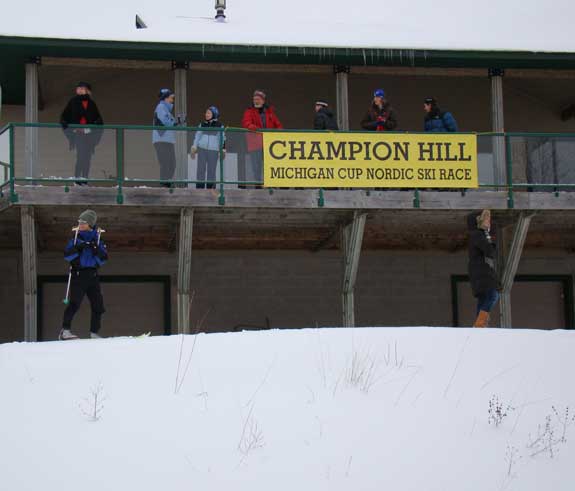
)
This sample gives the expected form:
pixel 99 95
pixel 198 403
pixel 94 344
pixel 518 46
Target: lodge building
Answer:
pixel 242 257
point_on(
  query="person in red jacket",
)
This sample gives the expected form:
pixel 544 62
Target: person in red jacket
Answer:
pixel 259 116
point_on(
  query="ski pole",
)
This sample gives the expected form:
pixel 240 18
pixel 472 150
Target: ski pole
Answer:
pixel 67 299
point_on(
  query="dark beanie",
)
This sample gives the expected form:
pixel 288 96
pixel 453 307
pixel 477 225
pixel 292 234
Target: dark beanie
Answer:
pixel 84 84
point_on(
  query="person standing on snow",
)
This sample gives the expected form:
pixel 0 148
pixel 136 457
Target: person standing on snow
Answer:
pixel 82 110
pixel 207 146
pixel 380 116
pixel 324 117
pixel 482 274
pixel 165 141
pixel 86 252
pixel 437 120
pixel 259 116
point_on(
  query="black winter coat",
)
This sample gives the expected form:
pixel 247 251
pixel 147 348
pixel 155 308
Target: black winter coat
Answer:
pixel 481 267
pixel 325 120
pixel 73 113
pixel 377 119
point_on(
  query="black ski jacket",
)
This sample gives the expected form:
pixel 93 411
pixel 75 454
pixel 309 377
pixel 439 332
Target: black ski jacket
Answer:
pixel 481 267
pixel 325 120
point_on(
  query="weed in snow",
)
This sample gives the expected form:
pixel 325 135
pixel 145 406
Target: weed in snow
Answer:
pixel 252 436
pixel 362 371
pixel 497 411
pixel 549 437
pixel 92 406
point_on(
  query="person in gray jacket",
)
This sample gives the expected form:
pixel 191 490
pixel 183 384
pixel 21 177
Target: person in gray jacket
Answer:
pixel 164 141
pixel 206 145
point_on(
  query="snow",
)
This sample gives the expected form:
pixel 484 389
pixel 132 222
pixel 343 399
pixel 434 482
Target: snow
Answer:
pixel 277 410
pixel 492 25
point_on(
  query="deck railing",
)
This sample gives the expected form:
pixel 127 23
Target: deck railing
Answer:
pixel 124 156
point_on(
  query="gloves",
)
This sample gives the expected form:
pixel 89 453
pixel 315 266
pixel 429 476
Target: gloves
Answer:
pixel 194 151
pixel 64 125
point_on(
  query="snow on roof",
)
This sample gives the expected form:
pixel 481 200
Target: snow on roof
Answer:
pixel 490 25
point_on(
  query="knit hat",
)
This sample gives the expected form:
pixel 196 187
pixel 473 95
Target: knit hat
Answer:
pixel 88 216
pixel 321 102
pixel 215 112
pixel 84 84
pixel 429 100
pixel 260 93
pixel 164 94
pixel 379 93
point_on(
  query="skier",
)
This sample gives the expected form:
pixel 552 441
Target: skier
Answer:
pixel 81 109
pixel 481 267
pixel 380 116
pixel 437 120
pixel 324 117
pixel 207 146
pixel 259 116
pixel 165 141
pixel 86 252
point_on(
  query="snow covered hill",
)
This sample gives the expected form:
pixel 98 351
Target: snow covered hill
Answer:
pixel 330 409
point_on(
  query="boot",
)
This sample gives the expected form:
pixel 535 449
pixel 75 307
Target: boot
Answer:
pixel 66 335
pixel 482 319
pixel 94 335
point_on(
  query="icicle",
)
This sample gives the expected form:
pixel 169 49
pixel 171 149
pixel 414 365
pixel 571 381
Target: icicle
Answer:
pixel 364 58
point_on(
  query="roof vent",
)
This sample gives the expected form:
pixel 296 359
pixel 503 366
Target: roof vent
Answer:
pixel 140 24
pixel 220 8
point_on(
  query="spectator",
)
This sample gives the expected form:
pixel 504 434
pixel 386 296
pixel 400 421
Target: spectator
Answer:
pixel 436 120
pixel 207 146
pixel 482 275
pixel 324 117
pixel 165 141
pixel 82 110
pixel 380 116
pixel 259 116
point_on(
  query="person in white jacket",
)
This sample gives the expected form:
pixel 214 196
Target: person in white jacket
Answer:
pixel 207 143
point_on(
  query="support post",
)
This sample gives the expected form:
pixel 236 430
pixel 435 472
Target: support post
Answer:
pixel 498 125
pixel 185 269
pixel 510 266
pixel 180 69
pixel 29 273
pixel 351 240
pixel 31 116
pixel 342 95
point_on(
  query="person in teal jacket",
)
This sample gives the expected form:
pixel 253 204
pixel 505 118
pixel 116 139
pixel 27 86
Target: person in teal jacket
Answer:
pixel 165 141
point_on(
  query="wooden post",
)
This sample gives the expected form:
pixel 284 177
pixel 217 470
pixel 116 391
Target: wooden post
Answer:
pixel 31 116
pixel 30 273
pixel 352 237
pixel 498 125
pixel 180 69
pixel 511 263
pixel 185 269
pixel 342 95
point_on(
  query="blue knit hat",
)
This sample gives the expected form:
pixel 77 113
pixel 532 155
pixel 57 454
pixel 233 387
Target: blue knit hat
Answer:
pixel 379 93
pixel 164 94
pixel 215 112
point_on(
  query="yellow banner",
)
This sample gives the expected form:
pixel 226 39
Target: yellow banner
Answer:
pixel 375 160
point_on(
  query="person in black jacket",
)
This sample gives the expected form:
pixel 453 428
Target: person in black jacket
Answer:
pixel 82 110
pixel 482 274
pixel 380 116
pixel 324 117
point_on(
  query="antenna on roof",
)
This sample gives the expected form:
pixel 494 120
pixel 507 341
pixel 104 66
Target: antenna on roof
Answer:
pixel 140 24
pixel 220 7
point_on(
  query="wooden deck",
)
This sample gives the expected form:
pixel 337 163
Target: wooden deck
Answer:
pixel 282 219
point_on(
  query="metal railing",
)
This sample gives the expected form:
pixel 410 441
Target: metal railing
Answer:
pixel 122 156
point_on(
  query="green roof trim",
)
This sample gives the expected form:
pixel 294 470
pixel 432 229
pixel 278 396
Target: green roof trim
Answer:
pixel 16 50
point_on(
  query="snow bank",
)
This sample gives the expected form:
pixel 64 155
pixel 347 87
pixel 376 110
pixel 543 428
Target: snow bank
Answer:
pixel 331 409
pixel 492 25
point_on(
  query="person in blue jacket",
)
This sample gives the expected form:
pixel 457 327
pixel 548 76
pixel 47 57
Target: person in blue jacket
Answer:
pixel 437 120
pixel 86 252
pixel 164 141
pixel 207 146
